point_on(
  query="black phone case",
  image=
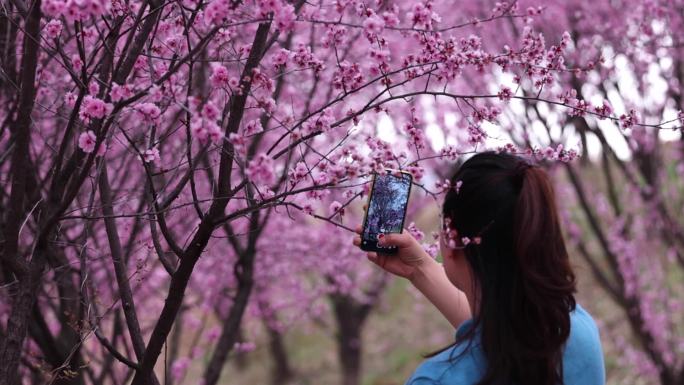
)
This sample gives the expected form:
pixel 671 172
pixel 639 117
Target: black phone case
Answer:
pixel 372 245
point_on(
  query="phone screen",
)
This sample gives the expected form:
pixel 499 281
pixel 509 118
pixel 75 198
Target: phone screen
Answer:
pixel 386 209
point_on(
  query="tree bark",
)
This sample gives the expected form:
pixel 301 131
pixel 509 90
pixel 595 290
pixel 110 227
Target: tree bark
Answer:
pixel 120 270
pixel 231 327
pixel 281 373
pixel 123 285
pixel 28 274
pixel 350 316
pixel 23 301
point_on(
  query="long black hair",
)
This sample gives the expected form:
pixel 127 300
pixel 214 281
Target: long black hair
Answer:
pixel 520 266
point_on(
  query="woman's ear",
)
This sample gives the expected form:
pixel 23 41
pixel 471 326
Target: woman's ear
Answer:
pixel 445 251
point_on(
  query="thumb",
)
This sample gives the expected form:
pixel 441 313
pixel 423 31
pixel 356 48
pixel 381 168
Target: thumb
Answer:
pixel 395 239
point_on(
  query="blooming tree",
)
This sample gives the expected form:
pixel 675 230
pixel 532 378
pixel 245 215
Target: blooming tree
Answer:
pixel 147 145
pixel 632 65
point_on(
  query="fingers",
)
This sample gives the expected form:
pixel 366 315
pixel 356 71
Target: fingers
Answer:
pixel 395 239
pixel 357 241
pixel 373 257
pixel 358 229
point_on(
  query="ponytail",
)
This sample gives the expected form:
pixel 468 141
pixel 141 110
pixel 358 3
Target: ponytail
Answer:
pixel 544 294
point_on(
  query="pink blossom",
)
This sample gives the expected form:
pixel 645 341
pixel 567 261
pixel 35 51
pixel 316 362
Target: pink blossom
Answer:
pixel 336 208
pixel 70 98
pixel 213 333
pixel 151 155
pixel 419 235
pixel 416 171
pixel 174 43
pixel 95 8
pixel 475 135
pixel 214 133
pixel 179 368
pixel 280 58
pixel 416 135
pixel 210 111
pixel 140 63
pixel 431 248
pixel 244 347
pixel 217 11
pixel 148 112
pixel 320 123
pixel 308 208
pixel 94 108
pixel 508 148
pixel 53 28
pixel 579 108
pixel 420 16
pixel 252 127
pixel 442 186
pixel 53 8
pixel 194 104
pixel 72 11
pixel 86 141
pixel 334 35
pixel 629 119
pixel 505 94
pixel 260 170
pixel 238 141
pixel 93 88
pixel 219 76
pixel 382 56
pixel 604 110
pixel 304 58
pixel 285 17
pixel 206 130
pixel 76 62
pixel 120 92
pixel 449 152
pixel 390 18
pixel 298 173
pixel 373 26
pixel 348 77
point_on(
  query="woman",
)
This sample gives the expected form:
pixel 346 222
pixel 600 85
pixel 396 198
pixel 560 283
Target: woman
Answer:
pixel 506 283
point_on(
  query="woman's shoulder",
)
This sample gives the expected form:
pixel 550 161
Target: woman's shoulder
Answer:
pixel 583 355
pixel 452 366
pixel 584 334
pixel 465 364
pixel 461 364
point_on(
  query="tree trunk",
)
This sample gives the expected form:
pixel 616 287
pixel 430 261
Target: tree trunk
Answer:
pixel 231 326
pixel 350 316
pixel 281 373
pixel 23 300
pixel 28 274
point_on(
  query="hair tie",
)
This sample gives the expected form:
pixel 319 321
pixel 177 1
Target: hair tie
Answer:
pixel 521 167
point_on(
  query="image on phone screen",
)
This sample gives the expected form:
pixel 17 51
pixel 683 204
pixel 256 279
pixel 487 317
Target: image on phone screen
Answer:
pixel 386 208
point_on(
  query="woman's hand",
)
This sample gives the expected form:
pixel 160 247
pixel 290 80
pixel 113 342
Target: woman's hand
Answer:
pixel 410 256
pixel 426 274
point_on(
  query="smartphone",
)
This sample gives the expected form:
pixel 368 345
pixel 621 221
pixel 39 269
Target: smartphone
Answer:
pixel 386 208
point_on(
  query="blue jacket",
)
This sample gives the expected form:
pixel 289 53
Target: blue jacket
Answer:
pixel 582 358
